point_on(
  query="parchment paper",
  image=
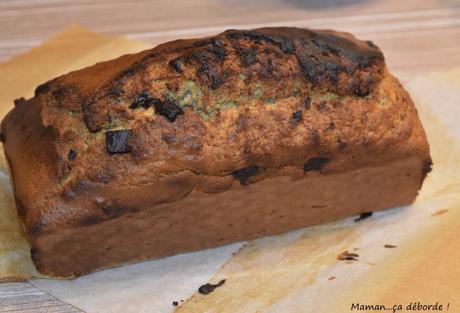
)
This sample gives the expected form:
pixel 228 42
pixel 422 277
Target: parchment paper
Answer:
pixel 294 272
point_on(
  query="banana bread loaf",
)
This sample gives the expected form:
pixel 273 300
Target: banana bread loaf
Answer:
pixel 199 143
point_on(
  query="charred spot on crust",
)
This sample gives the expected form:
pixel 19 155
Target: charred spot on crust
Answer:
pixel 315 164
pixel 363 216
pixel 295 118
pixel 42 89
pixel 115 91
pixel 244 174
pixel 62 91
pixel 322 55
pixel 144 100
pixel 210 75
pixel 72 155
pixel 168 109
pixel 19 101
pixel 117 141
pixel 267 69
pixel 285 44
pixel 208 288
pixel 177 64
pixel 218 51
pixel 248 56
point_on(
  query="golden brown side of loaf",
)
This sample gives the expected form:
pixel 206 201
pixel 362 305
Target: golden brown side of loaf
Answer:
pixel 198 143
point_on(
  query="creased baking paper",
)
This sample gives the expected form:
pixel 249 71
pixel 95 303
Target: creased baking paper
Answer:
pixel 294 272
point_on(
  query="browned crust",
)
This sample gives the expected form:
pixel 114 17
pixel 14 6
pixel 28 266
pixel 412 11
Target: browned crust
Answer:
pixel 205 115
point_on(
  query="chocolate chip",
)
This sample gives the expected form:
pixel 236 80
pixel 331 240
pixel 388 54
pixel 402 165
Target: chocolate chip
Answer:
pixel 168 109
pixel 363 216
pixel 208 288
pixel 144 100
pixel 295 118
pixel 315 164
pixel 244 174
pixel 390 246
pixel 72 155
pixel 175 303
pixel 117 141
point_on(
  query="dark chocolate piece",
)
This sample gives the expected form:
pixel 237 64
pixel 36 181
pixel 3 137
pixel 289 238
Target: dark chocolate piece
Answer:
pixel 208 288
pixel 295 118
pixel 244 174
pixel 363 216
pixel 168 109
pixel 175 303
pixel 72 155
pixel 117 141
pixel 210 75
pixel 315 164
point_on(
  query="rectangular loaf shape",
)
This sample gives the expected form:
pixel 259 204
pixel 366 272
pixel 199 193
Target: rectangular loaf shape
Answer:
pixel 199 143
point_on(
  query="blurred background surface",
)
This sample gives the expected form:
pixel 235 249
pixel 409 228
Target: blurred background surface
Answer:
pixel 416 35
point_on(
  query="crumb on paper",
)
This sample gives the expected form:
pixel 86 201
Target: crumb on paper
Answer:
pixel 348 256
pixel 390 246
pixel 208 288
pixel 331 278
pixel 363 216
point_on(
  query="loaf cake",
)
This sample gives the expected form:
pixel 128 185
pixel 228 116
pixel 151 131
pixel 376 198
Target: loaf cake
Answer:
pixel 199 143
